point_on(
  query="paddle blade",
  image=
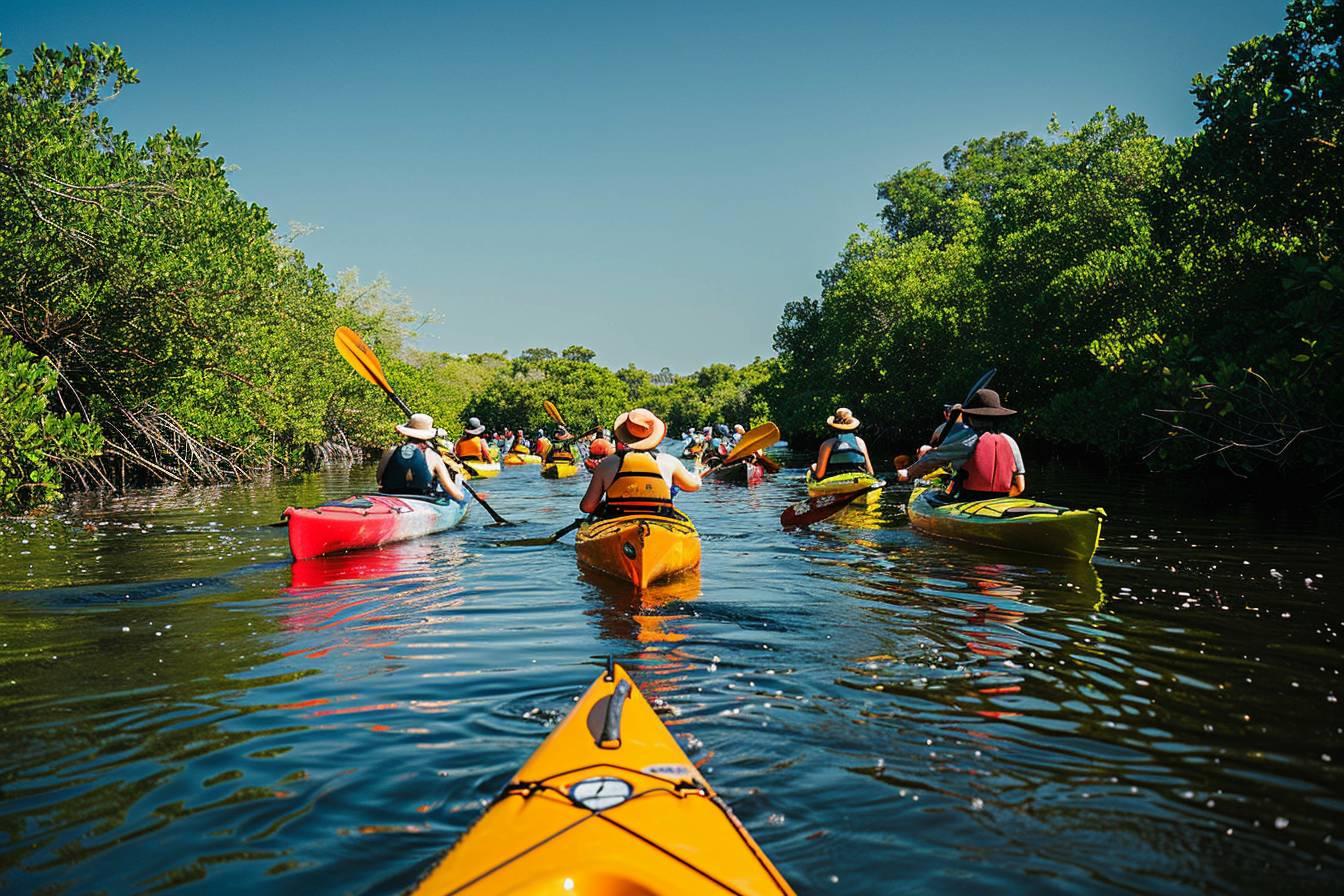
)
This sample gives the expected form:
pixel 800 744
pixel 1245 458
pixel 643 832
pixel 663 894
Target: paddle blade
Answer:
pixel 814 510
pixel 771 465
pixel 553 412
pixel 758 439
pixel 361 357
pixel 981 383
pixel 901 461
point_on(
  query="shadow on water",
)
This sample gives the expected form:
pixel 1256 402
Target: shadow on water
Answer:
pixel 185 709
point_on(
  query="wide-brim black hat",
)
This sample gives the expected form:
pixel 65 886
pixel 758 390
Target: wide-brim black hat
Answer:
pixel 985 403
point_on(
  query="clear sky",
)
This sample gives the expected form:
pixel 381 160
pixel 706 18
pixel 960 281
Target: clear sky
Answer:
pixel 653 181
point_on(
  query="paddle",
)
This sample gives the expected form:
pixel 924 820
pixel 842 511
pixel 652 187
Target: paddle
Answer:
pixel 366 364
pixel 540 542
pixel 554 413
pixel 953 418
pixel 754 440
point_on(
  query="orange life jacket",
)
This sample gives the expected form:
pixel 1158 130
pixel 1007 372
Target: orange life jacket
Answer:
pixel 639 486
pixel 990 466
pixel 473 448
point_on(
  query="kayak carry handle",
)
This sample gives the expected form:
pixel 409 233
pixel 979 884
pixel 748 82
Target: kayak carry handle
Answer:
pixel 610 738
pixel 611 667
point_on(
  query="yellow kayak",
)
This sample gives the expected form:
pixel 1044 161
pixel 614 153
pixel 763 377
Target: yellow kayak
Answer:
pixel 845 482
pixel 1016 524
pixel 559 470
pixel 514 459
pixel 482 470
pixel 608 805
pixel 639 548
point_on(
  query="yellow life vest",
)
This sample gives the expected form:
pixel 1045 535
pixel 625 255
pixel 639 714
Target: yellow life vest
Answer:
pixel 639 486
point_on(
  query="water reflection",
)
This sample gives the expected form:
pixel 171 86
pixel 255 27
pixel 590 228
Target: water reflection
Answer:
pixel 185 708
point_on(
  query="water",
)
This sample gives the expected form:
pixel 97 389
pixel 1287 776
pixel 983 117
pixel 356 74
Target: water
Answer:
pixel 185 710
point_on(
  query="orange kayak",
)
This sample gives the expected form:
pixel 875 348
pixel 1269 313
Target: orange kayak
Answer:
pixel 608 805
pixel 639 548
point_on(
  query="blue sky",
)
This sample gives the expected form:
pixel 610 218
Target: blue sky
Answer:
pixel 652 181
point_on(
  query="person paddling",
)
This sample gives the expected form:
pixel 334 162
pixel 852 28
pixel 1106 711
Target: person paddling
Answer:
pixel 640 479
pixel 472 445
pixel 600 448
pixel 560 451
pixel 414 467
pixel 987 463
pixel 843 452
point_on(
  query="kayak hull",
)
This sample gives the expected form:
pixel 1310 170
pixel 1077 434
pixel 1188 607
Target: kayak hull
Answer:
pixel 513 459
pixel 559 470
pixel 639 548
pixel 482 470
pixel 842 483
pixel 1016 524
pixel 629 814
pixel 739 474
pixel 367 521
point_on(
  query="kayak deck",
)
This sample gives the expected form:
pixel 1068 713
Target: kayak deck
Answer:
pixel 608 804
pixel 843 483
pixel 367 521
pixel 1017 524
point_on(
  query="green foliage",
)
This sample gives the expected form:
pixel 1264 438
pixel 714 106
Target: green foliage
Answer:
pixel 1184 294
pixel 34 440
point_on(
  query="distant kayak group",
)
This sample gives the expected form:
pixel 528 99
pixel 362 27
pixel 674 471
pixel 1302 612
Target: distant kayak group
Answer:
pixel 609 802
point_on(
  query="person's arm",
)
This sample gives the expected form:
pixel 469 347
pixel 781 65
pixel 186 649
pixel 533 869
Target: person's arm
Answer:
pixel 682 478
pixel 597 486
pixel 957 446
pixel 439 469
pixel 823 457
pixel 867 461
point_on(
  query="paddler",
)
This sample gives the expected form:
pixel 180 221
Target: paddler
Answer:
pixel 472 445
pixel 561 451
pixel 987 463
pixel 640 479
pixel 843 452
pixel 601 448
pixel 541 445
pixel 414 467
pixel 520 443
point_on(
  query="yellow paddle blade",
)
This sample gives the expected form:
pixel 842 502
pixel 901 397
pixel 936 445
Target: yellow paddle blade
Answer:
pixel 754 440
pixel 361 357
pixel 553 412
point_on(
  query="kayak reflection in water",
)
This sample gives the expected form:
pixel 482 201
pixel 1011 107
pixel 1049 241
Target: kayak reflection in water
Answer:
pixel 640 478
pixel 844 452
pixel 414 467
pixel 987 463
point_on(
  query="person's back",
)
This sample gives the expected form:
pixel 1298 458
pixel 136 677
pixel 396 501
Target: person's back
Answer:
pixel 640 478
pixel 472 445
pixel 985 463
pixel 414 467
pixel 844 451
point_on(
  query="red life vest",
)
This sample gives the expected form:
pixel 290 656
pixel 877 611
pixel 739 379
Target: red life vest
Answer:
pixel 990 467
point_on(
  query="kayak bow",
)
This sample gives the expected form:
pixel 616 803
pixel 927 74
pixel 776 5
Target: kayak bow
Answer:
pixel 608 804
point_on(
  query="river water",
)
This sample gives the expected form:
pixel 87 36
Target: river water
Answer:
pixel 184 709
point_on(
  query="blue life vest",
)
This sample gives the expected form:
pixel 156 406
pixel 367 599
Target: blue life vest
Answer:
pixel 407 472
pixel 845 454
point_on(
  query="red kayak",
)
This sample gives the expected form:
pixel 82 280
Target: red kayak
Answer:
pixel 366 521
pixel 741 473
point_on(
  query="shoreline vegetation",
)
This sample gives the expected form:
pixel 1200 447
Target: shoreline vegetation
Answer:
pixel 1171 303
